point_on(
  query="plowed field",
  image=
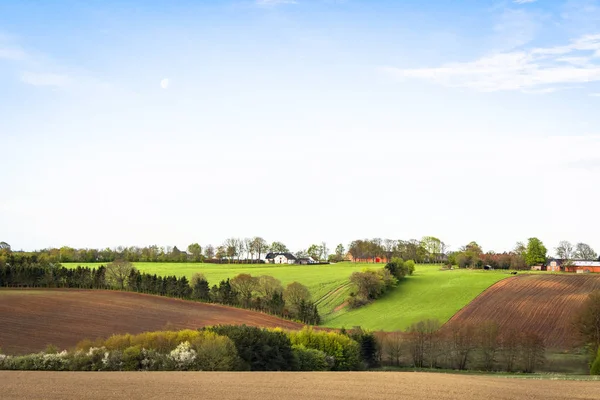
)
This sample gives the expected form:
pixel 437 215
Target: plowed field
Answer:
pixel 544 304
pixel 283 386
pixel 31 319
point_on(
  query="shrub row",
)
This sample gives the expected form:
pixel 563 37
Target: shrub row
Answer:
pixel 219 348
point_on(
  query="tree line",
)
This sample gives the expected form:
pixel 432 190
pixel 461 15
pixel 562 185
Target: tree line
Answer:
pixel 263 293
pixel 484 347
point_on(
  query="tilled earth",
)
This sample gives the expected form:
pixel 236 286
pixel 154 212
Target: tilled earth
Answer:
pixel 284 385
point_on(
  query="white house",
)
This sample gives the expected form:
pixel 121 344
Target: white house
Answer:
pixel 280 258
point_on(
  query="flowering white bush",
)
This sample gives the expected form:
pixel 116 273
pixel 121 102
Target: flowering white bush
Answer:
pixel 5 361
pixel 54 362
pixel 112 361
pixel 183 356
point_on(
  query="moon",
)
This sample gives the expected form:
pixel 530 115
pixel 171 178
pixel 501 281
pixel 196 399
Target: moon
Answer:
pixel 164 83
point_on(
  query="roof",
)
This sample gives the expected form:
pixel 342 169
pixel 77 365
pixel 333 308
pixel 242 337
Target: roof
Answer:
pixel 577 263
pixel 289 256
pixel 586 263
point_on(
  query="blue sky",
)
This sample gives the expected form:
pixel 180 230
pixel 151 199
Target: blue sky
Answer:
pixel 137 123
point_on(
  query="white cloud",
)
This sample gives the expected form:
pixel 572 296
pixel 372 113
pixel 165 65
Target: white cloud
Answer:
pixel 12 53
pixel 164 83
pixel 532 69
pixel 595 94
pixel 43 79
pixel 524 1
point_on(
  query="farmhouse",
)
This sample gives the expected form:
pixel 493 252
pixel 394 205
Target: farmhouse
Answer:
pixel 280 258
pixel 579 266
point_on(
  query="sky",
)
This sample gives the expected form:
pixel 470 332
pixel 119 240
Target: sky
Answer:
pixel 301 121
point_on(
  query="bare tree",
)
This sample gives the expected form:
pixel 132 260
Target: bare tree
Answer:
pixel 564 250
pixel 259 245
pixel 324 251
pixel 249 246
pixel 392 347
pixel 209 251
pixel 463 341
pixel 231 248
pixel 489 344
pixel 585 252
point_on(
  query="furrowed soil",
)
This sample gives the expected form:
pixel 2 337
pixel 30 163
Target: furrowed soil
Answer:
pixel 30 319
pixel 283 386
pixel 544 304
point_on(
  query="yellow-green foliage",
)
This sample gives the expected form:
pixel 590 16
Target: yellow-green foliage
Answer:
pixel 215 352
pixel 161 341
pixel 345 351
pixel 595 370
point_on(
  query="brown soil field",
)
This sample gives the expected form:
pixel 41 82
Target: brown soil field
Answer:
pixel 544 304
pixel 284 385
pixel 31 319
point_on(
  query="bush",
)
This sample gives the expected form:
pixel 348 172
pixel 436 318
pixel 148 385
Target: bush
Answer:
pixel 215 353
pixel 355 301
pixel 5 362
pixel 112 361
pixel 345 351
pixel 183 357
pixel 595 369
pixel 311 359
pixel 259 349
pixel 132 357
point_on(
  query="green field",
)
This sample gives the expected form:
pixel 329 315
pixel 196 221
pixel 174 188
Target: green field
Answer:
pixel 430 293
pixel 323 281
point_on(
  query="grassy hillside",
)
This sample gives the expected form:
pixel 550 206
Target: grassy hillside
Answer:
pixel 428 294
pixel 323 281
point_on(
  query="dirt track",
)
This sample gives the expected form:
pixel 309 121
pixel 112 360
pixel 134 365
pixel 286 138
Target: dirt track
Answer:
pixel 31 319
pixel 283 386
pixel 544 304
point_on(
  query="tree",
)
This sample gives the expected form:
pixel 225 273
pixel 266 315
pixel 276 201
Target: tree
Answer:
pixel 278 247
pixel 535 252
pixel 587 322
pixel 463 341
pixel 489 343
pixel 368 284
pixel 339 252
pixel 584 252
pixel 315 251
pixel 200 288
pixel 118 271
pixel 196 251
pixel 209 251
pixel 244 284
pixel 5 247
pixel 433 247
pixel 422 341
pixel 267 286
pixel 249 248
pixel 259 245
pixel 564 250
pixel 294 294
pixel 324 251
pixel 231 248
pixel 520 249
pixel 532 351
